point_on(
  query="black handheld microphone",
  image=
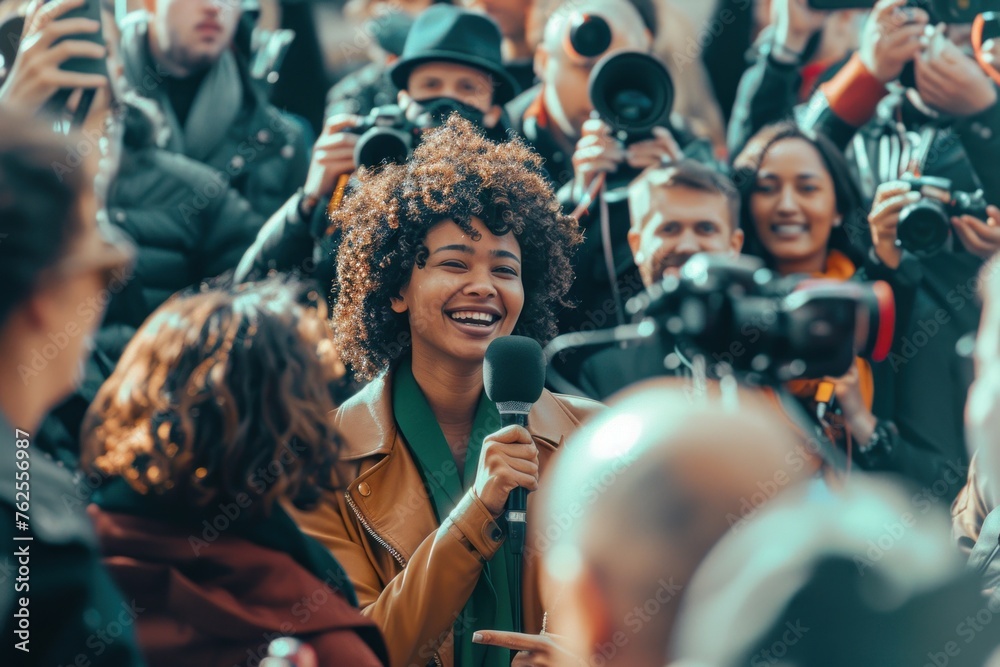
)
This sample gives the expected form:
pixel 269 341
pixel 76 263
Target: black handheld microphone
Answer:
pixel 514 376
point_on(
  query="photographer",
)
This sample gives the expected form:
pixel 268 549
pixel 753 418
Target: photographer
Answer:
pixel 799 48
pixel 451 63
pixel 187 223
pixel 552 115
pixel 443 255
pixel 676 212
pixel 935 285
pixel 556 119
pixel 947 90
pixel 923 365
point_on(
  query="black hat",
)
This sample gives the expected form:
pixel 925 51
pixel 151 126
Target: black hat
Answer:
pixel 448 33
pixel 391 30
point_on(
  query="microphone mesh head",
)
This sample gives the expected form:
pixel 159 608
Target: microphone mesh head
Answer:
pixel 514 370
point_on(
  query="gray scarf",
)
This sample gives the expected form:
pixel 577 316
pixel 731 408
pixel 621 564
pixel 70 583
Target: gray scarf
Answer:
pixel 215 107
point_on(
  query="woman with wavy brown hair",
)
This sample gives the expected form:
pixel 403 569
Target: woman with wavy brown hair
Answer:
pixel 218 414
pixel 463 244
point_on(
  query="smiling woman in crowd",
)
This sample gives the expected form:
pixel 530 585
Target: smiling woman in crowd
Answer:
pixel 799 205
pixel 463 244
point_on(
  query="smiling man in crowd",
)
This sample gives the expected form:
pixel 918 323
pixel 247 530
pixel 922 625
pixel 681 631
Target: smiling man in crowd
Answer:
pixel 676 212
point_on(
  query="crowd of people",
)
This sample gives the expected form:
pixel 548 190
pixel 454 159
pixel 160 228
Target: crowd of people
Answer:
pixel 243 401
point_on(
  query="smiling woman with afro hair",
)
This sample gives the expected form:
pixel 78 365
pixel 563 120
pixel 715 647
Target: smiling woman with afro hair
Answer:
pixel 463 244
pixel 455 174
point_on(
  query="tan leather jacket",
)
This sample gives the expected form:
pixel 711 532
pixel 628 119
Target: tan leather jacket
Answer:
pixel 413 577
pixel 974 502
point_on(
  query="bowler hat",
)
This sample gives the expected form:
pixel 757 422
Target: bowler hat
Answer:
pixel 452 34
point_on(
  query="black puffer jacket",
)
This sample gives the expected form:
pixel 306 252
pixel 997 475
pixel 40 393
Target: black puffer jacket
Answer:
pixel 188 225
pixel 263 153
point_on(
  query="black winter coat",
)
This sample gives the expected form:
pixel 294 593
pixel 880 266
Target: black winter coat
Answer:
pixel 187 224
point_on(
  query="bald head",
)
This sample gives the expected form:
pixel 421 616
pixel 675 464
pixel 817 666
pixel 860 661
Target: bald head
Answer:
pixel 654 482
pixel 565 74
pixel 982 408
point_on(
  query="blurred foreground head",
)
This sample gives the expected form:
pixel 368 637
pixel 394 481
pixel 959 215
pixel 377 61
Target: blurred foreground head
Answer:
pixel 982 410
pixel 865 577
pixel 642 494
pixel 55 264
pixel 220 397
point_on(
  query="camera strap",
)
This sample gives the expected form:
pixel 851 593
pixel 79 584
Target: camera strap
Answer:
pixel 609 255
pixel 978 26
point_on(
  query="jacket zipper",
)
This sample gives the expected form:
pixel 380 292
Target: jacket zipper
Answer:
pixel 371 531
pixel 375 536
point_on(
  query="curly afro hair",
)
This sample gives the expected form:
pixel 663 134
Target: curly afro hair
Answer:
pixel 221 394
pixel 455 174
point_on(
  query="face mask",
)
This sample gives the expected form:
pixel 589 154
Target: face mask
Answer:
pixel 435 111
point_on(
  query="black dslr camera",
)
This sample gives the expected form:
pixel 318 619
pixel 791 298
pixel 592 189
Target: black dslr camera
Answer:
pixel 388 136
pixel 736 311
pixel 925 225
pixel 631 91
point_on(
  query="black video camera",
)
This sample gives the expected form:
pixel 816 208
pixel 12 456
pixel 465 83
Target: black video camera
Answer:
pixel 941 11
pixel 736 311
pixel 925 225
pixel 387 136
